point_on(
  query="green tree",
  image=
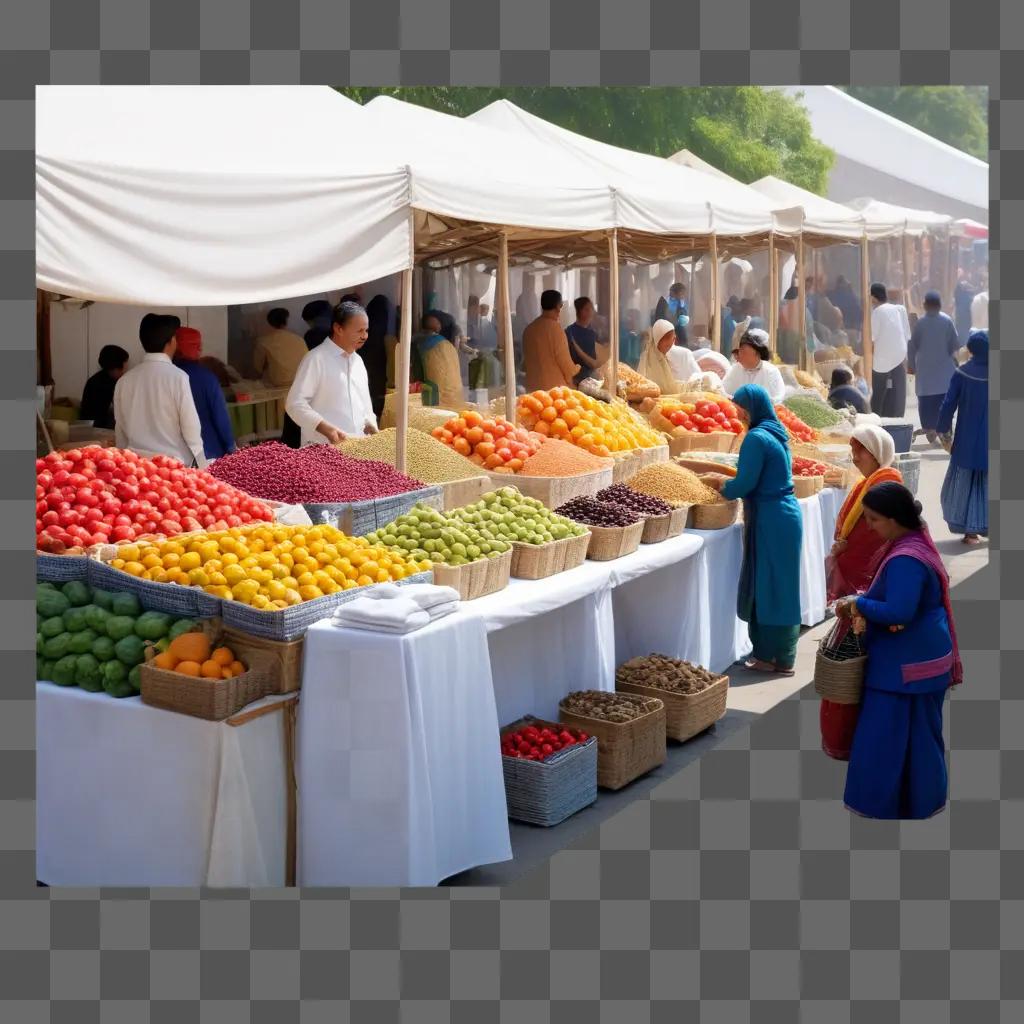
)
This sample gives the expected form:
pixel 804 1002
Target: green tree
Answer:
pixel 954 114
pixel 745 131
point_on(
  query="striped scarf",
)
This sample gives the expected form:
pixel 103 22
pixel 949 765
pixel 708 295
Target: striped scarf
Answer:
pixel 850 513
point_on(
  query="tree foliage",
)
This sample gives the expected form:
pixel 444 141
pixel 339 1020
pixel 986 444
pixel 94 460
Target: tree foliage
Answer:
pixel 954 114
pixel 745 131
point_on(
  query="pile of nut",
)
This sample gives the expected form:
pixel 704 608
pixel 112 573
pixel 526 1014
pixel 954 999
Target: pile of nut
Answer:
pixel 660 672
pixel 609 707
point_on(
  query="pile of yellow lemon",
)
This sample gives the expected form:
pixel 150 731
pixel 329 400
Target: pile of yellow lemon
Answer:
pixel 268 567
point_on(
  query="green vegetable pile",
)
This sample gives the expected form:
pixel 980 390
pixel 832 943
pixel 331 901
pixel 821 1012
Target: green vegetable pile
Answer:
pixel 485 529
pixel 97 640
pixel 814 412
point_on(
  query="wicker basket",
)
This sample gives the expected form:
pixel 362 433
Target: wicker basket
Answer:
pixel 659 528
pixel 690 441
pixel 172 598
pixel 475 579
pixel 702 467
pixel 625 751
pixel 841 682
pixel 61 568
pixel 719 516
pixel 360 517
pixel 807 486
pixel 610 542
pixel 212 699
pixel 547 792
pixel 285 665
pixel 554 491
pixel 456 493
pixel 538 561
pixel 628 464
pixel 686 714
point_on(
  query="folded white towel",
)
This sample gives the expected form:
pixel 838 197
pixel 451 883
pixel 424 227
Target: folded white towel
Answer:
pixel 426 595
pixel 399 614
pixel 439 611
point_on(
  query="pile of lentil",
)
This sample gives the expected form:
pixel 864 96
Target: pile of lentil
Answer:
pixel 620 494
pixel 592 512
pixel 316 473
pixel 559 458
pixel 813 412
pixel 609 707
pixel 660 672
pixel 425 456
pixel 674 485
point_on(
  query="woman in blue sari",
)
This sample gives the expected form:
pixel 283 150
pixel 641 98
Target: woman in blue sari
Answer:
pixel 769 593
pixel 897 760
pixel 965 489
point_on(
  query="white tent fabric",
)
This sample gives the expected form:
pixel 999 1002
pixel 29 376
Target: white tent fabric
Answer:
pixel 887 218
pixel 687 159
pixel 175 195
pixel 821 216
pixel 881 155
pixel 653 195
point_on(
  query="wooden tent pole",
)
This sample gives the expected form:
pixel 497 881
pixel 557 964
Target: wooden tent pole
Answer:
pixel 865 298
pixel 716 301
pixel 613 325
pixel 505 322
pixel 45 360
pixel 773 294
pixel 801 297
pixel 908 273
pixel 402 369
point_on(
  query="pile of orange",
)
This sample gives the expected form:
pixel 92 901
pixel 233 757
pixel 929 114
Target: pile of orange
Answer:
pixel 190 654
pixel 601 428
pixel 494 444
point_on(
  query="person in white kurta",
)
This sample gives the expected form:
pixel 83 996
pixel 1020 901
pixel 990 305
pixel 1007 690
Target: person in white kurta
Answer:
pixel 979 312
pixel 753 366
pixel 330 396
pixel 154 412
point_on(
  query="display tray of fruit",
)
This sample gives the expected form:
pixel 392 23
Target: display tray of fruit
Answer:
pixel 273 581
pixel 550 770
pixel 661 520
pixel 694 698
pixel 808 476
pixel 699 423
pixel 197 674
pixel 97 639
pixel 795 427
pixel 615 530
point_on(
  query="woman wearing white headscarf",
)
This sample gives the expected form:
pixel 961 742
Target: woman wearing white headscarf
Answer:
pixel 658 366
pixel 850 565
pixel 753 366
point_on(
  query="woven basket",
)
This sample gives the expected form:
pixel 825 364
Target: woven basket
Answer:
pixel 628 464
pixel 841 682
pixel 625 751
pixel 475 579
pixel 547 792
pixel 719 516
pixel 61 568
pixel 172 598
pixel 457 493
pixel 686 714
pixel 284 667
pixel 702 467
pixel 360 517
pixel 555 491
pixel 538 561
pixel 716 441
pixel 660 528
pixel 212 699
pixel 610 542
pixel 807 486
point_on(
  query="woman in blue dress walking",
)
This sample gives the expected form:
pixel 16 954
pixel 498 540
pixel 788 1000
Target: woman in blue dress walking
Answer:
pixel 897 761
pixel 769 592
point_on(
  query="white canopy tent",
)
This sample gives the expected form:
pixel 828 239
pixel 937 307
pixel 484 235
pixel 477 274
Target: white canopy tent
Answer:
pixel 890 219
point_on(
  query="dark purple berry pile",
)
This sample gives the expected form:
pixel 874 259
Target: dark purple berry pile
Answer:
pixel 620 494
pixel 592 512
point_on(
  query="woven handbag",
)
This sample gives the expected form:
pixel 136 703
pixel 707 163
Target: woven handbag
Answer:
pixel 839 665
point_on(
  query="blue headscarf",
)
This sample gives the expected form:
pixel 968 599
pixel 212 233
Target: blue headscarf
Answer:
pixel 976 368
pixel 757 404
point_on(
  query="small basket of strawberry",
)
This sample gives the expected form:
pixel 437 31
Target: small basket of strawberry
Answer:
pixel 550 770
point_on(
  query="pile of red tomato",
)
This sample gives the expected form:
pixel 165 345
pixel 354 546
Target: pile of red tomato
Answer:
pixel 107 495
pixel 808 467
pixel 795 425
pixel 703 416
pixel 533 744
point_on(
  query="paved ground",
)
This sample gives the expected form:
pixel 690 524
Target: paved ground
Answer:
pixel 750 695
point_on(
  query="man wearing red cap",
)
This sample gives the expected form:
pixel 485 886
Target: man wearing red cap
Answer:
pixel 154 411
pixel 218 437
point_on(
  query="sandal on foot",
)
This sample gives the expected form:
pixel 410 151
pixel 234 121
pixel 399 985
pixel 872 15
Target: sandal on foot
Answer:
pixel 757 665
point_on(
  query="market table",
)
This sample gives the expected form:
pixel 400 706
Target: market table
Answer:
pixel 399 769
pixel 723 554
pixel 128 794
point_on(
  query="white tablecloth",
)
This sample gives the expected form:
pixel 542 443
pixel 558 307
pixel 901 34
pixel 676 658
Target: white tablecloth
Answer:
pixel 399 767
pixel 132 795
pixel 723 555
pixel 659 601
pixel 812 562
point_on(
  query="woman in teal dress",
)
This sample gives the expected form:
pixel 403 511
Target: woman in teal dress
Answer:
pixel 769 592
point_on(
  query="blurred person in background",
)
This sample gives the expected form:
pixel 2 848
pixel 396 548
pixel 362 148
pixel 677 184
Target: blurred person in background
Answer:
pixel 844 394
pixel 317 315
pixel 890 334
pixel 214 422
pixel 931 359
pixel 583 339
pixel 98 394
pixel 374 353
pixel 549 362
pixel 277 354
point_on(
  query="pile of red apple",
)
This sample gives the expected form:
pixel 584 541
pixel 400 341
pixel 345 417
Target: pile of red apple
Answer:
pixel 538 744
pixel 808 467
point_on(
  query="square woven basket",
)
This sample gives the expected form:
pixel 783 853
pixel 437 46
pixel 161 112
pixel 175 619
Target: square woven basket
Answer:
pixel 686 715
pixel 661 528
pixel 547 792
pixel 625 751
pixel 611 542
pixel 475 579
pixel 538 561
pixel 61 568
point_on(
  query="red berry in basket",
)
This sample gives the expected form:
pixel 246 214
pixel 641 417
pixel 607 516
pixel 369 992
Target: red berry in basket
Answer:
pixel 547 749
pixel 583 737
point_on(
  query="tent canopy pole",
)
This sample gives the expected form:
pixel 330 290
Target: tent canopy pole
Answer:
pixel 505 322
pixel 613 318
pixel 865 298
pixel 715 323
pixel 404 354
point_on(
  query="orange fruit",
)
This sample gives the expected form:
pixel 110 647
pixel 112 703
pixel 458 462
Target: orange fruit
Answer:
pixel 189 668
pixel 549 414
pixel 560 427
pixel 543 427
pixel 237 668
pixel 210 670
pixel 191 647
pixel 223 656
pixel 226 673
pixel 165 660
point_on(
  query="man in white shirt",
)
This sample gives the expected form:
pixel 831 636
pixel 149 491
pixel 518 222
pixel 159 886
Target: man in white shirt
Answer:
pixel 890 333
pixel 979 312
pixel 330 397
pixel 153 406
